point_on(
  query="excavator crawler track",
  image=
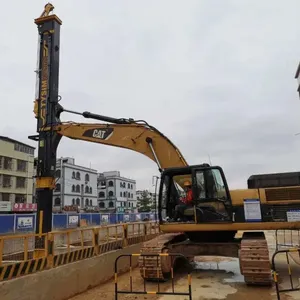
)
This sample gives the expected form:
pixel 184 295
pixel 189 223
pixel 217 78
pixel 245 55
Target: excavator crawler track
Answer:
pixel 154 267
pixel 254 259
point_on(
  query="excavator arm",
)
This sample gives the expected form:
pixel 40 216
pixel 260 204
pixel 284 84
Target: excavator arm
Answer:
pixel 141 138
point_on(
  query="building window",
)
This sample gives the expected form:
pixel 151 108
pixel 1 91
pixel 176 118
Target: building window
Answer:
pixel 21 165
pixel 57 173
pixel 101 195
pixel 101 204
pixel 86 202
pixel 4 197
pixel 20 198
pixel 128 185
pixel 110 204
pixel 7 163
pixel 110 183
pixel 78 202
pixel 91 203
pixel 87 177
pixel 20 182
pixel 121 194
pixel 78 175
pixel 110 193
pixel 73 175
pixel 73 188
pixel 73 201
pixel 132 187
pixel 6 181
pixel 57 201
pixel 77 188
pixel 87 189
pixel 23 148
pixel 57 187
pixel 131 196
pixel 91 190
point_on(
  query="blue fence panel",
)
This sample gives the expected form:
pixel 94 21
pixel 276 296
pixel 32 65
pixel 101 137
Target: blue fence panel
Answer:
pixel 113 218
pixel 7 223
pixel 86 217
pixel 25 223
pixel 132 218
pixel 120 218
pixel 59 221
pixel 95 219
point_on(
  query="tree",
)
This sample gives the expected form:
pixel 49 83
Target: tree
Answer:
pixel 144 202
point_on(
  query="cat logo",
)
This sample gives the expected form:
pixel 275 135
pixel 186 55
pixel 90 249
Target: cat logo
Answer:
pixel 99 133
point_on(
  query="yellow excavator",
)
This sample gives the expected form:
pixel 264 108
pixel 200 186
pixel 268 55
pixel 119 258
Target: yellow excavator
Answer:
pixel 207 225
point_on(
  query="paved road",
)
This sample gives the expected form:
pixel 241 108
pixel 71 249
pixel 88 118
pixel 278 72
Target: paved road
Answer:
pixel 212 278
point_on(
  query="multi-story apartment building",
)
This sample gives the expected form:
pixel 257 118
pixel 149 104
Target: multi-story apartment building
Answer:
pixel 75 186
pixel 116 193
pixel 16 171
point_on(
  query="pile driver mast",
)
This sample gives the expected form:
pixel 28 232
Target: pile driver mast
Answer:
pixel 46 109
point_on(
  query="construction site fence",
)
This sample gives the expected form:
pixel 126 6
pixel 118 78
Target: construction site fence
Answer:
pixel 286 271
pixel 26 222
pixel 19 255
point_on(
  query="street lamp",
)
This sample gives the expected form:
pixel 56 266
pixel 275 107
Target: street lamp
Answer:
pixel 297 76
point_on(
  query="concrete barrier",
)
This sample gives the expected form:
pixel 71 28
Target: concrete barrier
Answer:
pixel 66 281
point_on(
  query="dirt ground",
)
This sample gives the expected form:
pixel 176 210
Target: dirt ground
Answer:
pixel 213 278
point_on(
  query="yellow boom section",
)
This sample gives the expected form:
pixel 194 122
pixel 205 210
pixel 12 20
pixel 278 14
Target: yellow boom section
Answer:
pixel 129 136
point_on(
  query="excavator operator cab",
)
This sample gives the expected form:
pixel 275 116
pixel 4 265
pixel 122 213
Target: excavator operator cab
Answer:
pixel 194 194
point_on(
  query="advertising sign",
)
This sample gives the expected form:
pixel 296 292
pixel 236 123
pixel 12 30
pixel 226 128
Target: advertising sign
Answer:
pixel 104 219
pixel 126 218
pixel 5 206
pixel 73 220
pixel 24 222
pixel 25 207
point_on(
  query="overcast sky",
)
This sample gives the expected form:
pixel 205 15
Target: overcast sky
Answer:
pixel 216 77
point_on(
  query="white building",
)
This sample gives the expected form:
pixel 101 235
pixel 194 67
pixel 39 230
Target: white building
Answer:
pixel 116 194
pixel 75 186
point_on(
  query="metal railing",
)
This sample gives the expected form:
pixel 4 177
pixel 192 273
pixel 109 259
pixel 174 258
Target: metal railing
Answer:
pixel 17 252
pixel 286 268
pixel 159 289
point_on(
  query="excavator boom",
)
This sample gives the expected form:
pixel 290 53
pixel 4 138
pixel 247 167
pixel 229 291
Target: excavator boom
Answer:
pixel 141 138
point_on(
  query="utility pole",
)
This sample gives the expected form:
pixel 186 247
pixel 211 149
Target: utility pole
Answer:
pixel 47 111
